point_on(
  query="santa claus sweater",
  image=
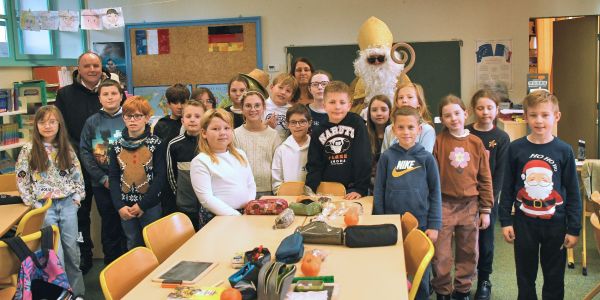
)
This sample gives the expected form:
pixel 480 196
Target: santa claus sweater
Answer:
pixel 540 181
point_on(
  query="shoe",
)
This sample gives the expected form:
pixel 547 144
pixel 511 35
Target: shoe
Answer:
pixel 484 290
pixel 461 296
pixel 442 297
pixel 86 265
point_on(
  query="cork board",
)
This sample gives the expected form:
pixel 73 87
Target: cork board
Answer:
pixel 189 60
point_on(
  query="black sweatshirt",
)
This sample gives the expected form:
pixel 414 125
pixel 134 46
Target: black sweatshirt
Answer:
pixel 340 153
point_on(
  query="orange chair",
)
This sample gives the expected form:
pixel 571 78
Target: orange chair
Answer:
pixel 167 234
pixel 408 222
pixel 291 188
pixel 33 220
pixel 596 226
pixel 331 188
pixel 125 272
pixel 418 252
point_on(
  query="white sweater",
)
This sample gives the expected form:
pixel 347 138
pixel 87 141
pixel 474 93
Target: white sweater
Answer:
pixel 222 187
pixel 279 111
pixel 289 162
pixel 259 147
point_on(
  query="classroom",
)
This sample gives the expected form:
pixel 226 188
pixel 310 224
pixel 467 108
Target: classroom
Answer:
pixel 502 64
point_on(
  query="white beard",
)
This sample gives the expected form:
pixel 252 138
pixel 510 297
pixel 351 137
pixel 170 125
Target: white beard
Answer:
pixel 538 192
pixel 379 79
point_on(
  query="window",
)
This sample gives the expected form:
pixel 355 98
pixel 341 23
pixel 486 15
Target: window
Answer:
pixel 3 30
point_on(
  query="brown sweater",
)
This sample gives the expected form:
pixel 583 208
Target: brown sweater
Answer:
pixel 464 169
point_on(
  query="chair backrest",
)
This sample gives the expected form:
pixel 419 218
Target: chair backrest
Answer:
pixel 291 188
pixel 167 234
pixel 418 252
pixel 10 262
pixel 596 227
pixel 8 182
pixel 331 188
pixel 33 220
pixel 408 222
pixel 125 272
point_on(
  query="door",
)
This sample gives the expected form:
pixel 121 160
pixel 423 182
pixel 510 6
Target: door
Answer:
pixel 575 69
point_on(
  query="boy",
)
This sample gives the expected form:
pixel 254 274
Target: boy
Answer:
pixel 542 177
pixel 339 150
pixel 180 152
pixel 283 88
pixel 167 128
pixel 136 171
pixel 408 180
pixel 99 131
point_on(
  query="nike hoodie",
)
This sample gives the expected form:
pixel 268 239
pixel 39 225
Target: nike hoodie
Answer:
pixel 289 162
pixel 408 181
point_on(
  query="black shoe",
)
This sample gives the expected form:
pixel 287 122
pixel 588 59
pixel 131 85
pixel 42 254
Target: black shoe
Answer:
pixel 442 297
pixel 484 290
pixel 85 265
pixel 461 296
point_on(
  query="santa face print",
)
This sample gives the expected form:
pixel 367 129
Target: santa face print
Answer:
pixel 337 106
pixel 302 73
pixel 485 112
pixel 453 117
pixel 218 135
pixel 317 85
pixel 407 96
pixel 541 119
pixel 236 89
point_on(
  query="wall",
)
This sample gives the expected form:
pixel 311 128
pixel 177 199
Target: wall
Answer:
pixel 8 75
pixel 312 22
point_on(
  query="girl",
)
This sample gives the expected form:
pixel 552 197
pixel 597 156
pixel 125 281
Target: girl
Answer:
pixel 412 94
pixel 466 200
pixel 204 96
pixel 378 119
pixel 484 105
pixel 289 162
pixel 303 70
pixel 318 82
pixel 236 87
pixel 47 168
pixel 220 174
pixel 137 171
pixel 258 141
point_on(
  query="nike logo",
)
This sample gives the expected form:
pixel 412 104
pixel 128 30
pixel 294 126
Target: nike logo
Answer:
pixel 396 173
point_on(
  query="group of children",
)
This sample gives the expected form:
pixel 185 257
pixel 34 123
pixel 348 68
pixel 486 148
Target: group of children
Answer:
pixel 205 161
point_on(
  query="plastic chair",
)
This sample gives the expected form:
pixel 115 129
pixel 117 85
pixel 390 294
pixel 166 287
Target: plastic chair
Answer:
pixel 33 220
pixel 408 222
pixel 167 234
pixel 11 264
pixel 596 225
pixel 291 188
pixel 125 272
pixel 418 252
pixel 331 188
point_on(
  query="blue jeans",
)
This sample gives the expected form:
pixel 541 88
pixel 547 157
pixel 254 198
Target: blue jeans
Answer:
pixel 133 228
pixel 63 213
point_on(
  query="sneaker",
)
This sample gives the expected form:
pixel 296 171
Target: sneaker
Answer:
pixel 85 264
pixel 484 290
pixel 461 296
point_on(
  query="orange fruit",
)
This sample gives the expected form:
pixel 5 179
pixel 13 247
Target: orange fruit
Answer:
pixel 351 218
pixel 311 265
pixel 231 294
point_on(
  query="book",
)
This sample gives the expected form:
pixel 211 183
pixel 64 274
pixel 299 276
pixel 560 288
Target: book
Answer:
pixel 185 272
pixel 5 99
pixel 200 293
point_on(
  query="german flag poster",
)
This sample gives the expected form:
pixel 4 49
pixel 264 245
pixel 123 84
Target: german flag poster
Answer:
pixel 225 38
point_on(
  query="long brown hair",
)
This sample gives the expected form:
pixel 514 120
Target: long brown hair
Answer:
pixel 203 144
pixel 38 159
pixel 371 127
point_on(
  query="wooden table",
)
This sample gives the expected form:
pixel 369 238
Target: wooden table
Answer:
pixel 11 214
pixel 381 269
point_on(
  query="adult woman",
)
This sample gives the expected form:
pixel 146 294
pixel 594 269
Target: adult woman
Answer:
pixel 302 69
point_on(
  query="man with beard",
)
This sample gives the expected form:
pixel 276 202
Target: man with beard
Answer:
pixel 377 73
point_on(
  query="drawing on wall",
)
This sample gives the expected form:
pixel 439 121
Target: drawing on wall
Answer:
pixel 219 90
pixel 90 19
pixel 29 20
pixel 48 20
pixel 68 20
pixel 112 18
pixel 113 58
pixel 156 96
pixel 494 62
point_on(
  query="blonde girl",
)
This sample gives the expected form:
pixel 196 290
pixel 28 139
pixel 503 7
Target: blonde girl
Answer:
pixel 47 168
pixel 412 94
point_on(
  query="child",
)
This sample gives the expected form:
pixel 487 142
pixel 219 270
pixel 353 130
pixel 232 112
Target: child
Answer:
pixel 412 94
pixel 378 119
pixel 258 141
pixel 541 176
pixel 220 174
pixel 317 84
pixel 485 107
pixel 339 150
pixel 408 180
pixel 99 131
pixel 180 152
pixel 236 87
pixel 47 167
pixel 466 190
pixel 137 171
pixel 284 86
pixel 289 161
pixel 204 96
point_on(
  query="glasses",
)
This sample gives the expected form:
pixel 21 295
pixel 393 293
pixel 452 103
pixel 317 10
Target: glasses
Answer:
pixel 316 84
pixel 256 106
pixel 298 123
pixel 378 58
pixel 51 123
pixel 134 117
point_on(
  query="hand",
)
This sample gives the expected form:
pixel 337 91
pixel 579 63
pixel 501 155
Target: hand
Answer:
pixel 484 221
pixel 570 241
pixel 432 234
pixel 125 214
pixel 272 121
pixel 352 196
pixel 106 184
pixel 77 202
pixel 136 210
pixel 509 234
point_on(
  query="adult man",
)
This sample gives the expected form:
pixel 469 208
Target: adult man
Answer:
pixel 77 102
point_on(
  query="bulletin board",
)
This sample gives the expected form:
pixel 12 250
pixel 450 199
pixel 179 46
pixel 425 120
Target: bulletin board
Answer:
pixel 187 58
